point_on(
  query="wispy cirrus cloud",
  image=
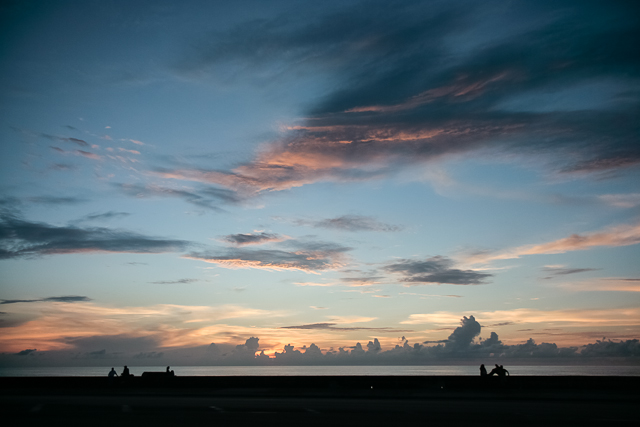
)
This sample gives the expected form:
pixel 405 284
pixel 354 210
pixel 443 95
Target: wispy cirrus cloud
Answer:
pixel 436 269
pixel 568 317
pixel 309 257
pixel 174 282
pixel 620 235
pixel 34 134
pixel 103 216
pixel 362 281
pixel 252 238
pixel 352 223
pixel 55 200
pixel 20 238
pixel 629 200
pixel 424 102
pixel 332 327
pixel 82 153
pixel 208 198
pixel 603 284
pixel 318 284
pixel 66 298
pixel 554 271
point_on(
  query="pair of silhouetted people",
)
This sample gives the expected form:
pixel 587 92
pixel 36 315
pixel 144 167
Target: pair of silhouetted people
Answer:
pixel 125 373
pixel 498 370
pixel 170 372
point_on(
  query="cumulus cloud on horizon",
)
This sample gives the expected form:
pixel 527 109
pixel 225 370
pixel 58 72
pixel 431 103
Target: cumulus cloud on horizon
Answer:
pixel 462 343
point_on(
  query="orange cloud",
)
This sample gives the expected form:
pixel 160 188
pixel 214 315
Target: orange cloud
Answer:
pixel 622 235
pixel 605 284
pixel 53 323
pixel 461 88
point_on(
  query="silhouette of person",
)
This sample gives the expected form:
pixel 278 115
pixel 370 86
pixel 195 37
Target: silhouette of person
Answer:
pixel 112 373
pixel 502 372
pixel 495 371
pixel 483 371
pixel 168 370
pixel 125 371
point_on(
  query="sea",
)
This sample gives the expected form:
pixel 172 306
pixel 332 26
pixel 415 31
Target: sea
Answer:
pixel 600 370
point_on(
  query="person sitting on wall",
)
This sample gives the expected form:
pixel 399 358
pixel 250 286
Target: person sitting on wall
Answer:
pixel 503 372
pixel 125 372
pixel 483 371
pixel 112 373
pixel 494 371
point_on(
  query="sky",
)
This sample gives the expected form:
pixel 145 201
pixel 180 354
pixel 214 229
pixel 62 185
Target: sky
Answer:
pixel 339 182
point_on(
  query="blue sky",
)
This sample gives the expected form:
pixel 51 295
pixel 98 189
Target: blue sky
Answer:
pixel 177 175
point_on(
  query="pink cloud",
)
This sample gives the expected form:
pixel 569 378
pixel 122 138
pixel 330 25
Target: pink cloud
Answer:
pixel 621 235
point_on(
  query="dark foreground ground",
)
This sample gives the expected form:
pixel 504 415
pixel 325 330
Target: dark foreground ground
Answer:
pixel 319 401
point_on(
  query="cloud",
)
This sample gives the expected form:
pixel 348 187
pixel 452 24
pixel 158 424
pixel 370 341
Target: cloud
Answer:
pixel 67 298
pixel 27 352
pixel 429 295
pixel 34 134
pixel 128 151
pixel 620 235
pixel 63 167
pixel 406 96
pixel 87 154
pixel 352 319
pixel 309 257
pixel 103 216
pixel 81 153
pixel 524 316
pixel 54 200
pixel 628 348
pixel 80 142
pixel 174 282
pixel 149 355
pixel 314 284
pixel 562 271
pixel 352 223
pixel 89 326
pixel 91 332
pixel 207 198
pixel 20 238
pixel 435 270
pixel 361 281
pixel 604 284
pixel 331 326
pixel 621 200
pixel 251 238
pixel 463 335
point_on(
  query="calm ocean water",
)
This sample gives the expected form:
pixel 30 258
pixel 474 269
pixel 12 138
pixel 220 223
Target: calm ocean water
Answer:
pixel 323 370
